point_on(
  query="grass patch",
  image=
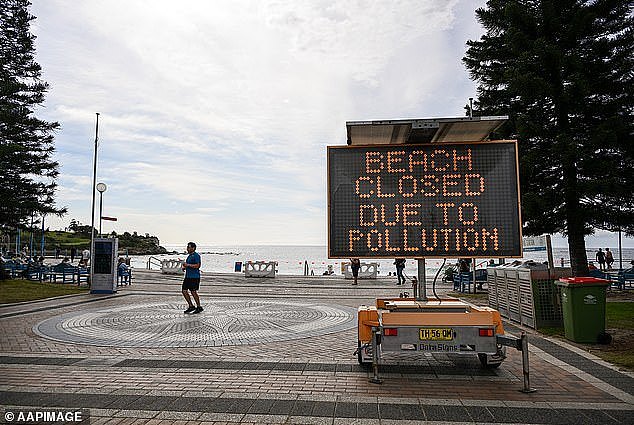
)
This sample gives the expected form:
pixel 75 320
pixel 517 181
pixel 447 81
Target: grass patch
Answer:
pixel 552 331
pixel 66 239
pixel 620 324
pixel 18 290
pixel 477 296
pixel 619 317
pixel 620 358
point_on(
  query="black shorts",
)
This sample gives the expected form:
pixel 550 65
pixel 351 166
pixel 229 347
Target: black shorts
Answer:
pixel 191 283
pixel 355 271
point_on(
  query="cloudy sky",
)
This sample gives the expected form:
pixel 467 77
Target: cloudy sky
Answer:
pixel 215 116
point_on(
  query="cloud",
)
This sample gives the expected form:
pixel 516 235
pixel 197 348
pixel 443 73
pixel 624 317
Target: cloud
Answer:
pixel 224 109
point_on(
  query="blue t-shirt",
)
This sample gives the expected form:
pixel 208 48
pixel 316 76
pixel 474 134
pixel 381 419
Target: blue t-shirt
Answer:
pixel 193 258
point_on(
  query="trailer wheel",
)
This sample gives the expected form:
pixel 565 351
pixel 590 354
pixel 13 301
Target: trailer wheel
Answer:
pixel 364 363
pixel 492 361
pixel 484 360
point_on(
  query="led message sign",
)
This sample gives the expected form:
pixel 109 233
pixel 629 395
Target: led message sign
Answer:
pixel 436 200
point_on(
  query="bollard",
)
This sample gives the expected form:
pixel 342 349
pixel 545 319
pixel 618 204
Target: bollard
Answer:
pixel 525 369
pixel 520 344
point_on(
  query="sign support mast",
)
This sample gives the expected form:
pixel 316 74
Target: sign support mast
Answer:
pixel 421 291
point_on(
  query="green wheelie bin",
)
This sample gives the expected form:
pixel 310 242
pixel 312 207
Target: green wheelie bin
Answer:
pixel 583 307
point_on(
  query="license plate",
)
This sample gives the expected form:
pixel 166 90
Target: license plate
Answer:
pixel 436 334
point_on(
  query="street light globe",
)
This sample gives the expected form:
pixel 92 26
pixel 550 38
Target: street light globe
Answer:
pixel 101 187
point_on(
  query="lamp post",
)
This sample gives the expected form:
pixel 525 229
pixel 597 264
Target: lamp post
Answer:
pixel 31 244
pixel 620 252
pixel 17 241
pixel 42 242
pixel 101 187
pixel 92 210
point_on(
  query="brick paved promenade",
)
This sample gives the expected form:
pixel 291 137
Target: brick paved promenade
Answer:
pixel 274 351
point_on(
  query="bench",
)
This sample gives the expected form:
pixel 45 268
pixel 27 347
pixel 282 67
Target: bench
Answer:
pixel 366 271
pixel 260 269
pixel 172 266
pixel 620 280
pixel 34 272
pixel 15 269
pixel 462 281
pixel 83 275
pixel 625 278
pixel 63 271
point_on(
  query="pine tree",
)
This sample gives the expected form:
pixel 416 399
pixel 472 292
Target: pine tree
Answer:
pixel 27 171
pixel 563 72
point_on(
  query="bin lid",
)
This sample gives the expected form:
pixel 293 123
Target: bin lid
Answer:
pixel 569 281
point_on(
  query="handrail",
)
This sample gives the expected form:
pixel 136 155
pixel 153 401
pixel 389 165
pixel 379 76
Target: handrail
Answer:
pixel 153 261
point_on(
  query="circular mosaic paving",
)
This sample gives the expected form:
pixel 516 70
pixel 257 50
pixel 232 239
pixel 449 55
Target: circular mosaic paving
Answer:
pixel 226 322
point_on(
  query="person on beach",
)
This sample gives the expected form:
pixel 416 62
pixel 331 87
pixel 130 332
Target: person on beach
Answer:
pixel 609 258
pixel 355 265
pixel 400 266
pixel 191 283
pixel 600 256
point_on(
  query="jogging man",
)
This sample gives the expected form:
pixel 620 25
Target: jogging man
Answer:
pixel 191 282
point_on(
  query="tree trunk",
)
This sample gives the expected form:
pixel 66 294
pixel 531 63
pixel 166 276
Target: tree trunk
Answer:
pixel 575 225
pixel 577 250
pixel 575 221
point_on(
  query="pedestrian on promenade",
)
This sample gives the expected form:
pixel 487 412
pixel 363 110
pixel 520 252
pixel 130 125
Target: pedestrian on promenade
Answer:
pixel 73 253
pixel 609 258
pixel 600 256
pixel 400 266
pixel 85 256
pixel 464 265
pixel 355 265
pixel 191 283
pixel 123 272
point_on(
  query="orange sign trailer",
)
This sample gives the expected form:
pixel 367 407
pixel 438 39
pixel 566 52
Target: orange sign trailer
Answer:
pixel 435 326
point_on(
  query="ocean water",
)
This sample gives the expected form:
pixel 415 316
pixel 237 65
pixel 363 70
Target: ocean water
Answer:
pixel 290 259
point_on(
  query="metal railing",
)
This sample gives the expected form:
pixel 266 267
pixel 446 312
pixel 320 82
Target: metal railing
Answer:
pixel 153 261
